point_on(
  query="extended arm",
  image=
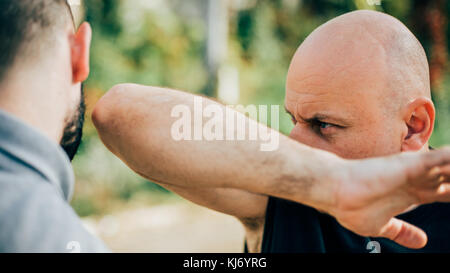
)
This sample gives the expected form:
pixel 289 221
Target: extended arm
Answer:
pixel 135 123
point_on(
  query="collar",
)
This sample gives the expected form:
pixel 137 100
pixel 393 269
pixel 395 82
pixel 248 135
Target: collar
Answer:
pixel 28 147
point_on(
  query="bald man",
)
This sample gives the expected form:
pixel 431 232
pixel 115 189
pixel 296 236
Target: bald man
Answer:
pixel 357 87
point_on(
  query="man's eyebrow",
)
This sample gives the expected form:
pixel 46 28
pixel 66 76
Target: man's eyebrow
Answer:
pixel 320 117
pixel 326 118
pixel 289 112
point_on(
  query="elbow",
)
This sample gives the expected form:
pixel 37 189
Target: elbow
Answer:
pixel 108 107
pixel 99 114
pixel 108 115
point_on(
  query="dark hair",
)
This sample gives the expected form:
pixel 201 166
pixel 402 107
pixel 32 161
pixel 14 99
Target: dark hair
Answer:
pixel 24 24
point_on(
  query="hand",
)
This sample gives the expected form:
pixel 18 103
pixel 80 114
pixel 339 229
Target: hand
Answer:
pixel 373 191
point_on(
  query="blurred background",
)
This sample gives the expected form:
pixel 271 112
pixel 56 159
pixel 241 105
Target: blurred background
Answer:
pixel 235 50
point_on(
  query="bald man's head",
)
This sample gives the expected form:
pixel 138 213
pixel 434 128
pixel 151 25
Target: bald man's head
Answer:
pixel 359 86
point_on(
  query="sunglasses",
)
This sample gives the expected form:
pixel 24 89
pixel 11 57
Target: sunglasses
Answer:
pixel 69 4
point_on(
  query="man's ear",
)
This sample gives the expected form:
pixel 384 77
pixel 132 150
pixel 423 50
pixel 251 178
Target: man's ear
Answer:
pixel 80 44
pixel 419 118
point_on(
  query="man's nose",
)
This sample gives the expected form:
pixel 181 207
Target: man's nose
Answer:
pixel 292 134
pixel 297 134
pixel 303 136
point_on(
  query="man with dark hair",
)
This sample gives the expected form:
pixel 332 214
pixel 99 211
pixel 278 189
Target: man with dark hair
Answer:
pixel 43 62
pixel 30 31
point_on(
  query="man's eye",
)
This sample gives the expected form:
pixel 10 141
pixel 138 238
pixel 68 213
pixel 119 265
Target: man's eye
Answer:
pixel 324 125
pixel 320 127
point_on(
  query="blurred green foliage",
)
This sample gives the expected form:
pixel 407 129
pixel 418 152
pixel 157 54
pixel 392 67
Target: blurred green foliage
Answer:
pixel 163 43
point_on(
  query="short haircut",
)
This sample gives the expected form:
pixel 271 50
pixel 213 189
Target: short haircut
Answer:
pixel 26 27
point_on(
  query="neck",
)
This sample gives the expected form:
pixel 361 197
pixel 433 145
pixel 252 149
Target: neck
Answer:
pixel 34 100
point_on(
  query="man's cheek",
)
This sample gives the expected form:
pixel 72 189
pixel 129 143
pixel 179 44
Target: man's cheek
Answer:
pixel 354 148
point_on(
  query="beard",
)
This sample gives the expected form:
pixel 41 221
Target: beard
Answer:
pixel 73 130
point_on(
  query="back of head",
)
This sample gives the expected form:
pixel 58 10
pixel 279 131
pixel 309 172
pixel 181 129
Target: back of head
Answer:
pixel 43 62
pixel 28 29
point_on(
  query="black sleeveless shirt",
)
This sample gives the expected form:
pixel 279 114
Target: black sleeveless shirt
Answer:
pixel 292 227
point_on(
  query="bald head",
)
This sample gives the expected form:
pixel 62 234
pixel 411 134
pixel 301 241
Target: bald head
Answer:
pixel 363 64
pixel 366 46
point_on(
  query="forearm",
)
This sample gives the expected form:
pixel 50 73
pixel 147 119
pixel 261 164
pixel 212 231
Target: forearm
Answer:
pixel 135 123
